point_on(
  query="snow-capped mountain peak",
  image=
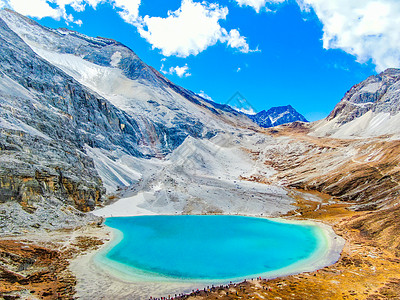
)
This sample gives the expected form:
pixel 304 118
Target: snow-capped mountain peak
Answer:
pixel 277 116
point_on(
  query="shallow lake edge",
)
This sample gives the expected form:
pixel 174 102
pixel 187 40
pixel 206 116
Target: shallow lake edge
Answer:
pixel 327 254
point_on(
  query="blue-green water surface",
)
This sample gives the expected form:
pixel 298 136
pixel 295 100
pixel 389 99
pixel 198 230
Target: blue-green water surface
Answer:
pixel 210 247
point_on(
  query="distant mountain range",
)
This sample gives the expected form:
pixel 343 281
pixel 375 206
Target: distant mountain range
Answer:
pixel 277 116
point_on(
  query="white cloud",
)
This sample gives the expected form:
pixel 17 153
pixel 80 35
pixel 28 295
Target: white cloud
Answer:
pixel 205 96
pixel 239 69
pixel 179 71
pixel 190 30
pixel 34 8
pixel 130 10
pixel 42 8
pixel 257 4
pixel 236 41
pixel 367 29
pixel 247 111
pixel 77 5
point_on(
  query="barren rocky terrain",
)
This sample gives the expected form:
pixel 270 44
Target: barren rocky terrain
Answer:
pixel 358 197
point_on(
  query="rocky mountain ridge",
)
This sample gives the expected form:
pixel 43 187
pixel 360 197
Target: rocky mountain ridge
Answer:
pixel 62 93
pixel 378 93
pixel 277 116
pixel 369 109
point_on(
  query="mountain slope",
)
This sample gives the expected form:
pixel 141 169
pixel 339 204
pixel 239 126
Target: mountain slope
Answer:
pixel 370 108
pixel 65 97
pixel 277 116
pixel 165 113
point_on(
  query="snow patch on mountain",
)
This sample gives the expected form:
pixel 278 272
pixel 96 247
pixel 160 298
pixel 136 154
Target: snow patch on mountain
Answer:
pixel 371 88
pixel 116 58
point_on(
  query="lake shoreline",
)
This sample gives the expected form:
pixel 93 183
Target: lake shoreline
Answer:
pixel 90 269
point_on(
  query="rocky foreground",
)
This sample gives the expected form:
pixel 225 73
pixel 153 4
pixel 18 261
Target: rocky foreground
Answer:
pixel 36 266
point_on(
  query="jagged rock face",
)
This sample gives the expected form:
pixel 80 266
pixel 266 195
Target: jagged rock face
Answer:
pixel 151 116
pixel 37 94
pixel 46 119
pixel 277 116
pixel 30 172
pixel 379 93
pixel 369 109
pixel 65 109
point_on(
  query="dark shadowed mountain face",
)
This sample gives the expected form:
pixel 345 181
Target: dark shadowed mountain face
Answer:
pixel 62 92
pixel 277 116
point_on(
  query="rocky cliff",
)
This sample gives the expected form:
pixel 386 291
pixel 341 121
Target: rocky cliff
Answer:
pixel 370 108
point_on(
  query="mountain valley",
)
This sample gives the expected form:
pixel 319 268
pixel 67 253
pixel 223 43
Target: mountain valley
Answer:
pixel 89 131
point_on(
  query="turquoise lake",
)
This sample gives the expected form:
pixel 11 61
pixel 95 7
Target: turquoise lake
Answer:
pixel 210 247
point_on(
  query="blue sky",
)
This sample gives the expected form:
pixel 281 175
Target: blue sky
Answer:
pixel 306 53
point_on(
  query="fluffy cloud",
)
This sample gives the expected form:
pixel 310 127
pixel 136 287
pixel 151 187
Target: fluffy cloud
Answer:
pixel 247 111
pixel 205 96
pixel 34 8
pixel 367 29
pixel 130 9
pixel 235 40
pixel 42 8
pixel 257 4
pixel 187 31
pixel 179 71
pixel 190 30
